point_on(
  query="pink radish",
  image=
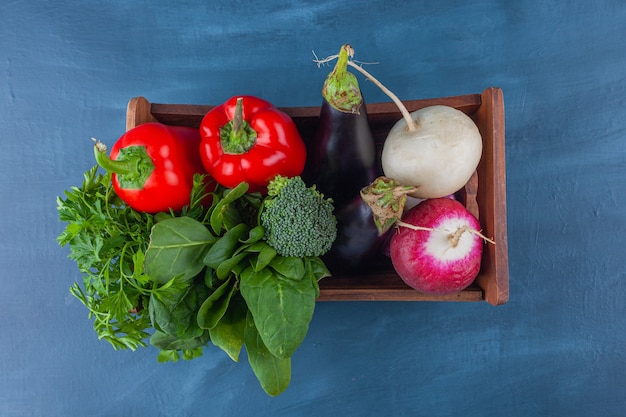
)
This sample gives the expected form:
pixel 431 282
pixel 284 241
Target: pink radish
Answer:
pixel 437 248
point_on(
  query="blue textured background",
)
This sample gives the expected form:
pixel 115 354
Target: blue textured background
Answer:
pixel 557 348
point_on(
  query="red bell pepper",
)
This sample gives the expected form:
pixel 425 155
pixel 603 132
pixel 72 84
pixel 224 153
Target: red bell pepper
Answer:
pixel 247 139
pixel 153 165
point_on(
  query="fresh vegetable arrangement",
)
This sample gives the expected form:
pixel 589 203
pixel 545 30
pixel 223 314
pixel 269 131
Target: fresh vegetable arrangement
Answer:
pixel 220 235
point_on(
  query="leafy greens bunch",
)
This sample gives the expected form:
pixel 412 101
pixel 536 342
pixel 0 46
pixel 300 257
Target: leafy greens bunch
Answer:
pixel 184 280
pixel 108 241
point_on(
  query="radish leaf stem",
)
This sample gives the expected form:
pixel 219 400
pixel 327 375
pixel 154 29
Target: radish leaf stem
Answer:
pixel 411 124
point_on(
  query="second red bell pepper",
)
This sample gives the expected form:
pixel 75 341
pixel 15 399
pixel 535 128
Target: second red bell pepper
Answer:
pixel 247 139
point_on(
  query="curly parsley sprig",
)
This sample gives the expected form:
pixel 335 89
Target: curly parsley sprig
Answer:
pixel 107 240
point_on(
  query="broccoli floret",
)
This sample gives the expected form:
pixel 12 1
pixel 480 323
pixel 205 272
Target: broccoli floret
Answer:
pixel 297 219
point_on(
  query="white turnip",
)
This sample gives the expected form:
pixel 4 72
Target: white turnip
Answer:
pixel 436 149
pixel 437 248
pixel 438 154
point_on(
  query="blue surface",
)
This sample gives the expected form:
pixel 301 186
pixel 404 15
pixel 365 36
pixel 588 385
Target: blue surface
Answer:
pixel 557 348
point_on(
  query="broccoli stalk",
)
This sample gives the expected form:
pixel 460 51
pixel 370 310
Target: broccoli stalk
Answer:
pixel 297 219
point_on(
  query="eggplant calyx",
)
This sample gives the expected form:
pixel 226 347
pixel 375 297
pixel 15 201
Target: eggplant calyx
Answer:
pixel 341 88
pixel 387 198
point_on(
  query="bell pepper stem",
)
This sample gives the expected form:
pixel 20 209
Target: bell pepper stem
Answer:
pixel 238 117
pixel 108 164
pixel 133 168
pixel 237 136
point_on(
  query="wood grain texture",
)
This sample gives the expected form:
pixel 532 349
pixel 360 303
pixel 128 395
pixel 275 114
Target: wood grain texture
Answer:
pixel 492 200
pixel 138 111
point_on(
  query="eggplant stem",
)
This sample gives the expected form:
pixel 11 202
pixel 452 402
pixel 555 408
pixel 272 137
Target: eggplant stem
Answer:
pixel 411 124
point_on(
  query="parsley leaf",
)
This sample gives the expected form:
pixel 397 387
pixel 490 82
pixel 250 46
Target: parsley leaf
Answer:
pixel 108 240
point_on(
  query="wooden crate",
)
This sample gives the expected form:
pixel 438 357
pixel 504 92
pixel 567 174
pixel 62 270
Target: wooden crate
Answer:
pixel 484 195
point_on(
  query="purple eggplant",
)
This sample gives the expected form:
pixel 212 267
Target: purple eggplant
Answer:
pixel 341 161
pixel 358 246
pixel 342 154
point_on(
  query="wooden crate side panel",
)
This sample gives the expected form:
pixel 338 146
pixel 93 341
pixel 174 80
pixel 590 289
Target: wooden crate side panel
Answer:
pixel 492 200
pixel 384 286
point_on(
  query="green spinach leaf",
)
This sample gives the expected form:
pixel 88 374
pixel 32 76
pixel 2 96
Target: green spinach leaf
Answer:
pixel 228 333
pixel 274 374
pixel 230 265
pixel 282 308
pixel 174 310
pixel 315 270
pixel 171 345
pixel 265 255
pixel 254 235
pixel 214 307
pixel 177 247
pixel 318 268
pixel 225 246
pixel 289 267
pixel 223 211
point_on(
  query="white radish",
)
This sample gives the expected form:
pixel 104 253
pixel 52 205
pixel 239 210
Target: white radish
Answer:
pixel 437 248
pixel 436 149
pixel 438 154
